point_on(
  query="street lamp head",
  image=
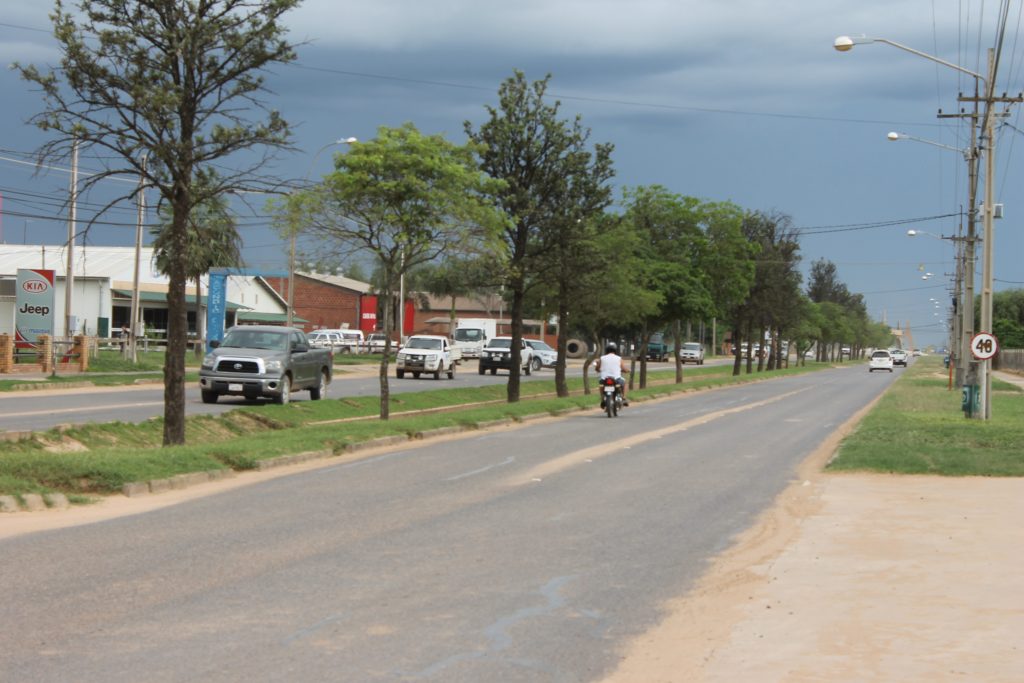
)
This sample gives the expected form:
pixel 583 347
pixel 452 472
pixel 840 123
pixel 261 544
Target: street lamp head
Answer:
pixel 911 233
pixel 346 141
pixel 843 44
pixel 894 136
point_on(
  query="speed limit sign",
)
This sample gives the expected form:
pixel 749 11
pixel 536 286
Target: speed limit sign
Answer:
pixel 984 346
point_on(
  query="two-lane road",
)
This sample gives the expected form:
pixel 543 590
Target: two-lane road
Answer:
pixel 526 554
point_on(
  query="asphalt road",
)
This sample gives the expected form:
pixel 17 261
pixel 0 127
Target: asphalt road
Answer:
pixel 526 554
pixel 45 409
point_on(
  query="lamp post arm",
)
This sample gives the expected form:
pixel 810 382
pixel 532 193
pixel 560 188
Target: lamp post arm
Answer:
pixel 951 65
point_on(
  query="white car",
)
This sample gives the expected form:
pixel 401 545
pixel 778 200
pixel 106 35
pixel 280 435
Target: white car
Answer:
pixel 899 357
pixel 692 352
pixel 543 355
pixel 880 360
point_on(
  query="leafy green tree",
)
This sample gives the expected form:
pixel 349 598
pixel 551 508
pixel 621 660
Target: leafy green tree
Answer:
pixel 539 157
pixel 164 89
pixel 668 226
pixel 403 198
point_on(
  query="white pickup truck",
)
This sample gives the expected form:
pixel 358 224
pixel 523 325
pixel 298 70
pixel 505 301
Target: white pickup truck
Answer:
pixel 427 353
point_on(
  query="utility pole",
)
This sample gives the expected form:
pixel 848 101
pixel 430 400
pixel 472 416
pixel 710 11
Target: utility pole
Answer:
pixel 133 324
pixel 69 277
pixel 962 345
pixel 990 99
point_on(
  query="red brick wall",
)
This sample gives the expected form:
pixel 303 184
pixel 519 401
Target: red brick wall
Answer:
pixel 323 305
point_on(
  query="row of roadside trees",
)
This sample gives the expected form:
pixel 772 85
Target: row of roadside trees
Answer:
pixel 169 91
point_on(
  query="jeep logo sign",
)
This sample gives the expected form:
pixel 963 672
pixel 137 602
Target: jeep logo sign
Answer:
pixel 34 309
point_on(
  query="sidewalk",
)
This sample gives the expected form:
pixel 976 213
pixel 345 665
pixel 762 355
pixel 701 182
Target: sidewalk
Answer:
pixel 856 578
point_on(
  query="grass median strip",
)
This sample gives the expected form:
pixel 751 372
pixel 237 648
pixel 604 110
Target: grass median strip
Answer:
pixel 102 458
pixel 918 428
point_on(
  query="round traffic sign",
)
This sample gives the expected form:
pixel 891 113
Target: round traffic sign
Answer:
pixel 984 346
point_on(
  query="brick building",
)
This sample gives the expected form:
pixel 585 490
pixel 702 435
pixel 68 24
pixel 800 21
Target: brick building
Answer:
pixel 325 301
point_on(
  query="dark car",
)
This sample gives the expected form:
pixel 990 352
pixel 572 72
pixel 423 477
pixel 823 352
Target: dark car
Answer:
pixel 497 355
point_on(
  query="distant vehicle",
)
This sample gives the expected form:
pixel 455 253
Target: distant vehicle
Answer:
pixel 326 339
pixel 472 334
pixel 880 360
pixel 497 355
pixel 268 361
pixel 543 355
pixel 657 348
pixel 427 353
pixel 692 352
pixel 376 342
pixel 899 357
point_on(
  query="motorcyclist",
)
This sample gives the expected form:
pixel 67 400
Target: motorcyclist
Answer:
pixel 610 365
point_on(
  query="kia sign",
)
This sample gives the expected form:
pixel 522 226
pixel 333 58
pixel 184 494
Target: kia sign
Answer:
pixel 34 307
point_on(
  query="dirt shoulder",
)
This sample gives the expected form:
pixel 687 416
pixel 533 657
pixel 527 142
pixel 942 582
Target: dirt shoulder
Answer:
pixel 855 577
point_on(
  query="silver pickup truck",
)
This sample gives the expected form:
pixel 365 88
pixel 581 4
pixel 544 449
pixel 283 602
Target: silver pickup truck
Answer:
pixel 257 361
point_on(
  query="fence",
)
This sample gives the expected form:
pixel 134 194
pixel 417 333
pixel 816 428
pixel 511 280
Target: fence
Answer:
pixel 1009 359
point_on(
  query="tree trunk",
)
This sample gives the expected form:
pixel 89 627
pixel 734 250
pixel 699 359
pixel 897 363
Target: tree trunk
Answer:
pixel 177 327
pixel 677 343
pixel 736 340
pixel 561 385
pixel 518 294
pixel 385 388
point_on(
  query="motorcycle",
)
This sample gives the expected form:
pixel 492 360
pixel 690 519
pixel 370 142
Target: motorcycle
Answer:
pixel 611 396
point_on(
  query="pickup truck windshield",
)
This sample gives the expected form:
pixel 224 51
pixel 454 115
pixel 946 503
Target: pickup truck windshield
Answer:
pixel 251 339
pixel 469 334
pixel 415 343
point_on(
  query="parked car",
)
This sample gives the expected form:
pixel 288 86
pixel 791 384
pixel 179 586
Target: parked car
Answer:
pixel 899 357
pixel 327 339
pixel 497 355
pixel 880 360
pixel 692 352
pixel 543 355
pixel 376 342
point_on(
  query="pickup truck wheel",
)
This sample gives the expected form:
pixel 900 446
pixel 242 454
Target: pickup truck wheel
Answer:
pixel 400 374
pixel 320 390
pixel 286 391
pixel 480 369
pixel 415 375
pixel 536 364
pixel 451 371
pixel 209 396
pixel 526 370
pixel 437 373
pixel 494 371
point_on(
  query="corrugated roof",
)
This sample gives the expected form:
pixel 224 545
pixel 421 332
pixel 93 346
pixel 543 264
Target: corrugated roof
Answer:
pixel 339 281
pixel 116 263
pixel 154 297
pixel 257 317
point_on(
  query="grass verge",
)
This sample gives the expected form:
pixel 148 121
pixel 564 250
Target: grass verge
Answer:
pixel 918 428
pixel 101 458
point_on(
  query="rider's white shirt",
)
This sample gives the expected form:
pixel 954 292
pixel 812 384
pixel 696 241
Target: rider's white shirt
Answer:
pixel 611 366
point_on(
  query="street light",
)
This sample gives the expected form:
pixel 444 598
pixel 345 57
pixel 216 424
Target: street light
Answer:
pixel 894 136
pixel 845 44
pixel 294 228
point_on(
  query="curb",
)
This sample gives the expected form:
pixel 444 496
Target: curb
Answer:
pixel 34 502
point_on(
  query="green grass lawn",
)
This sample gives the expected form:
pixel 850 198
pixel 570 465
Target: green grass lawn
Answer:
pixel 918 428
pixel 101 458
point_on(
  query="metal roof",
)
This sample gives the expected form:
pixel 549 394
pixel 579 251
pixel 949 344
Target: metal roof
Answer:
pixel 116 263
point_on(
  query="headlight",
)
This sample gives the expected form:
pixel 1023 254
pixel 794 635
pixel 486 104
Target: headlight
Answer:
pixel 209 361
pixel 273 366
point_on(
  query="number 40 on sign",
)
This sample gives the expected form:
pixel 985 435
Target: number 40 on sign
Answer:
pixel 984 346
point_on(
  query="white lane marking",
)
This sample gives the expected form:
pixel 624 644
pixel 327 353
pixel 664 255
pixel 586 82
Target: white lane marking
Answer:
pixel 507 461
pixel 83 409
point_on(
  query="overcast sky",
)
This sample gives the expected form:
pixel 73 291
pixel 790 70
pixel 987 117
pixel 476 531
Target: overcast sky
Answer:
pixel 739 100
